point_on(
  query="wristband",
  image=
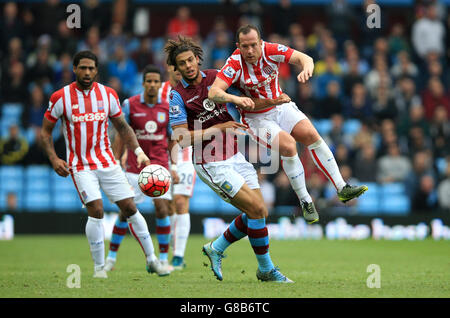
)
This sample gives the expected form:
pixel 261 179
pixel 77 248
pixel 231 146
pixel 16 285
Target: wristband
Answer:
pixel 138 150
pixel 173 167
pixel 118 161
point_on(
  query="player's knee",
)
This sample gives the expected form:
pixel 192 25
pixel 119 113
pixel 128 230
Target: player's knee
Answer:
pixel 258 210
pixel 289 148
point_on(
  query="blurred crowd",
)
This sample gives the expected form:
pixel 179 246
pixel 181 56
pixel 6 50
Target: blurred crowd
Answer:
pixel 394 80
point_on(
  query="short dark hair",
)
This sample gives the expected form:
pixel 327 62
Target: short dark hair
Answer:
pixel 173 48
pixel 84 55
pixel 245 29
pixel 150 69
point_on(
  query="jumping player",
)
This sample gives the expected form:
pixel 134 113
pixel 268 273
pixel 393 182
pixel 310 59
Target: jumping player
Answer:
pixel 148 116
pixel 253 69
pixel 206 125
pixel 180 221
pixel 84 107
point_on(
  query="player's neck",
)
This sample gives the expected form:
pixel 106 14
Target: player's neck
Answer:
pixel 82 87
pixel 150 99
pixel 196 80
pixel 173 82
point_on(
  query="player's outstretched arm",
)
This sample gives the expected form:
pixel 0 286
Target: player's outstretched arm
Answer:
pixel 261 104
pixel 60 166
pixel 187 137
pixel 126 133
pixel 304 61
pixel 218 94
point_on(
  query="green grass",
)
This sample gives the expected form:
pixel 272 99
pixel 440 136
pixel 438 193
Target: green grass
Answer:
pixel 35 266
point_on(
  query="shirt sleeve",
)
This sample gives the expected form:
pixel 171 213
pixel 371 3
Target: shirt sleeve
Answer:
pixel 230 71
pixel 278 52
pixel 177 109
pixel 126 110
pixel 114 105
pixel 55 108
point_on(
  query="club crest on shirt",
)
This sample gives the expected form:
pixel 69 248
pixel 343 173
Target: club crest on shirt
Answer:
pixel 208 104
pixel 161 117
pixel 267 69
pixel 151 126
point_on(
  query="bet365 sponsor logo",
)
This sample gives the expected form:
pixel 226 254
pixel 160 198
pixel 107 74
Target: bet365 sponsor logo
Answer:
pixel 88 117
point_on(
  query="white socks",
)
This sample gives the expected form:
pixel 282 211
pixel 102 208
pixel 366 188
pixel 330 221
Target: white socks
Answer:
pixel 324 160
pixel 95 235
pixel 138 227
pixel 182 229
pixel 293 168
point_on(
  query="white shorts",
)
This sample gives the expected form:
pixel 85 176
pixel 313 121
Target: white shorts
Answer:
pixel 227 177
pixel 139 197
pixel 186 172
pixel 264 127
pixel 111 180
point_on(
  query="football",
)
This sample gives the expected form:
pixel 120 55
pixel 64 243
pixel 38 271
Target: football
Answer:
pixel 154 180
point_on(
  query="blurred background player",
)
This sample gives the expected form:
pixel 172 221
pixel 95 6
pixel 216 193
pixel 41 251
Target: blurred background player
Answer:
pixel 217 159
pixel 148 116
pixel 85 107
pixel 253 69
pixel 180 221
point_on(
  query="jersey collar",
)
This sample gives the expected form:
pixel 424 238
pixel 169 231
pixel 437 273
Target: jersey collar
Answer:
pixel 186 84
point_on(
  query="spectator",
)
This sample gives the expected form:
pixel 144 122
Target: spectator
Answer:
pixel 143 56
pixel 427 34
pixel 306 99
pixel 13 148
pixel 34 112
pixel 435 96
pixel 267 190
pixel 183 24
pixel 360 105
pixel 11 25
pixel 92 43
pixel 11 202
pixel 406 95
pixel 365 166
pixel 316 186
pixel 48 14
pixel 364 136
pixel 379 75
pixel 283 15
pixel 95 13
pixel 425 198
pixel 114 39
pixel 384 105
pixel 443 191
pixel 352 57
pixel 440 132
pixel 340 19
pixel 220 25
pixel 393 167
pixel 325 71
pixel 415 119
pixel 65 40
pixel 388 137
pixel 63 73
pixel 352 77
pixel 336 135
pixel 221 47
pixel 124 69
pixel 397 42
pixel 403 66
pixel 418 141
pixel 41 71
pixel 422 165
pixel 342 155
pixel 14 86
pixel 15 53
pixel 284 195
pixel 331 104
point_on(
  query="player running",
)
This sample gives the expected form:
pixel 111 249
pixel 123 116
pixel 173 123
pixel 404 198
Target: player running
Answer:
pixel 180 221
pixel 206 125
pixel 253 69
pixel 148 116
pixel 84 107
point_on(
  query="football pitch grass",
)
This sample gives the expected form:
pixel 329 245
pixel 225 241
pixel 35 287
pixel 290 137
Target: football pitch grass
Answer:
pixel 36 266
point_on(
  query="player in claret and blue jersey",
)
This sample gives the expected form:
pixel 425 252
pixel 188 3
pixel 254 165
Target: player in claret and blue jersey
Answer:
pixel 198 121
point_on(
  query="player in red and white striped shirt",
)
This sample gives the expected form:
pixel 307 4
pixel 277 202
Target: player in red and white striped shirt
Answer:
pixel 84 107
pixel 253 69
pixel 180 222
